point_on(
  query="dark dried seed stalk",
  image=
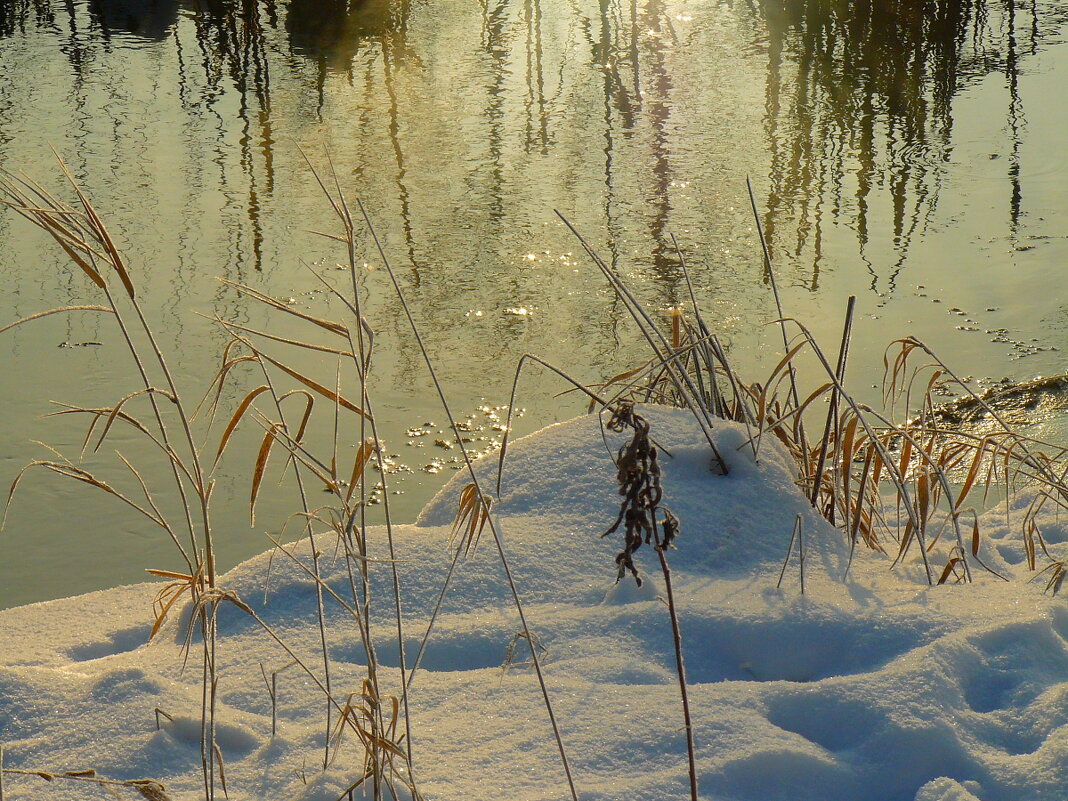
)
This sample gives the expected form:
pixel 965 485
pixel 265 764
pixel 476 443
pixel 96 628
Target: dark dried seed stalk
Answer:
pixel 638 474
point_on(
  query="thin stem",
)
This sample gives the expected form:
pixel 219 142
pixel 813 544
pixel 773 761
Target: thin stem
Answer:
pixel 482 498
pixel 680 668
pixel 789 553
pixel 778 305
pixel 319 607
pixel 832 408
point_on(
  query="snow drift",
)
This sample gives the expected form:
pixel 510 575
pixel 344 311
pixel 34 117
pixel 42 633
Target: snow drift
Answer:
pixel 872 688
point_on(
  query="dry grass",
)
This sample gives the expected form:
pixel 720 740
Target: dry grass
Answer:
pixel 82 235
pixel 371 715
pixel 148 789
pixel 899 481
pixel 897 487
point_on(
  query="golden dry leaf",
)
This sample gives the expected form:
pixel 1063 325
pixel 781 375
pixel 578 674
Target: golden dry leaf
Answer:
pixel 363 455
pixel 949 570
pixel 471 517
pixel 236 418
pixel 317 387
pixel 261 466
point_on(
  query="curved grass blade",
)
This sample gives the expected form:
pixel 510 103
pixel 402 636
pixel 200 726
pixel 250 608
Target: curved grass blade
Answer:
pixel 261 466
pixel 317 387
pixel 236 418
pixel 39 315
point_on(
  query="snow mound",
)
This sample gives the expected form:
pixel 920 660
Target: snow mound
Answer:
pixel 874 687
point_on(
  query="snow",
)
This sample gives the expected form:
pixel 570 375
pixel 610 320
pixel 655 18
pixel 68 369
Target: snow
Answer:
pixel 871 688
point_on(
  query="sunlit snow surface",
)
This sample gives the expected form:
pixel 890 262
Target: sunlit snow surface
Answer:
pixel 877 688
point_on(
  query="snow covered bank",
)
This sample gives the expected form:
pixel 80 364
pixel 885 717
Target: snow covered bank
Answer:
pixel 878 688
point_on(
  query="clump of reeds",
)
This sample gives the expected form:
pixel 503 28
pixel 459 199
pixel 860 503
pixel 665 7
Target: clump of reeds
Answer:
pixel 371 716
pixel 897 481
pixel 378 721
pixel 80 232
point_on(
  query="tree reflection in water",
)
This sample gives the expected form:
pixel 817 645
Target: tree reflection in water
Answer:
pixel 859 122
pixel 858 96
pixel 15 15
pixel 147 19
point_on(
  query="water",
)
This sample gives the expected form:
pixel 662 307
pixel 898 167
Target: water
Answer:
pixel 912 157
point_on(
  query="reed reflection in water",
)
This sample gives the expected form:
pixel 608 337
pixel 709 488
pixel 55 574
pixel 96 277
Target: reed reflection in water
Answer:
pixel 148 19
pixel 859 116
pixel 858 96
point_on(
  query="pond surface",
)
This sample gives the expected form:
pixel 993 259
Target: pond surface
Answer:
pixel 909 153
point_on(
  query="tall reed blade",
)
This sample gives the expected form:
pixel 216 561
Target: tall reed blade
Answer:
pixel 832 409
pixel 483 498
